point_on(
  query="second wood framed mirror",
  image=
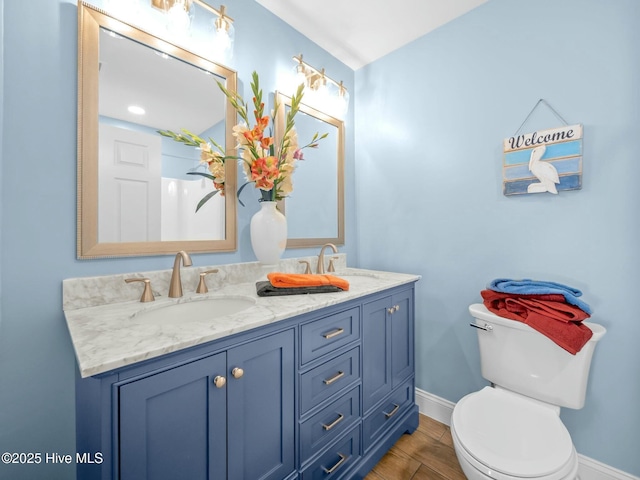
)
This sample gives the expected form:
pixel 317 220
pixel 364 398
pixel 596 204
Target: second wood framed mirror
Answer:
pixel 315 208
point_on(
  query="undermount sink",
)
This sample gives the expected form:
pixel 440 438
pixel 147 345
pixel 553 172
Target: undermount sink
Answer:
pixel 356 274
pixel 195 310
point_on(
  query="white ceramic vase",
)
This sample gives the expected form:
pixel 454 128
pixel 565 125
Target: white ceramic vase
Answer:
pixel 268 233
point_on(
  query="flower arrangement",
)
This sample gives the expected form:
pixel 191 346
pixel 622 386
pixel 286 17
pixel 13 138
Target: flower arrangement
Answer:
pixel 268 165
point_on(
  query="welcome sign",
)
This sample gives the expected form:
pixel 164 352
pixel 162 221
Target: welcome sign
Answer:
pixel 543 161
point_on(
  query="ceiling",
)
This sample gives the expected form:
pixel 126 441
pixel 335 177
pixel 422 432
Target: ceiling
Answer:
pixel 357 32
pixel 174 94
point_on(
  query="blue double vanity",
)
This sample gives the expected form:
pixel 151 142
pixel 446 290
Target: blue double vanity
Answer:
pixel 293 387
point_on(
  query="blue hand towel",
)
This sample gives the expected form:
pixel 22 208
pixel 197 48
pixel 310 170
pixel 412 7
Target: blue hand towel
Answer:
pixel 534 287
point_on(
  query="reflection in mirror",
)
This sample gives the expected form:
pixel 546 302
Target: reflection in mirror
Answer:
pixel 135 196
pixel 315 208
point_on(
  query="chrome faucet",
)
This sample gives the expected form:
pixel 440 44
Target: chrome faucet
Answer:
pixel 320 267
pixel 175 287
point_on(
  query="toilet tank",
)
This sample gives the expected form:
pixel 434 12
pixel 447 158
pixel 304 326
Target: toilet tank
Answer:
pixel 517 357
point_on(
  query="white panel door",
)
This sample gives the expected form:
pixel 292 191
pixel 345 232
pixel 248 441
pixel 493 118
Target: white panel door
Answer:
pixel 130 186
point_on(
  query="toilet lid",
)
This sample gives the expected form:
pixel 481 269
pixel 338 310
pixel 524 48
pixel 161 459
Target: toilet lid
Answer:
pixel 512 434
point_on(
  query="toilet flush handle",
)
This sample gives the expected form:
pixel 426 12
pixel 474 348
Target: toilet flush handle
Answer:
pixel 486 327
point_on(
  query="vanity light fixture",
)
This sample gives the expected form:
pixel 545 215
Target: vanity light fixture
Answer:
pixel 321 91
pixel 179 14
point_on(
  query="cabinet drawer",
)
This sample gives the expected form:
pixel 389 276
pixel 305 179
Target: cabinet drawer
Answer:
pixel 321 382
pixel 326 334
pixel 329 423
pixel 337 460
pixel 384 415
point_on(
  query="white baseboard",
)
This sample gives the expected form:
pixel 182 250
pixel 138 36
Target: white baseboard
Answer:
pixel 440 409
pixel 590 469
pixel 434 407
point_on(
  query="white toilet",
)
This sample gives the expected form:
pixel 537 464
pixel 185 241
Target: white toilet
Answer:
pixel 512 430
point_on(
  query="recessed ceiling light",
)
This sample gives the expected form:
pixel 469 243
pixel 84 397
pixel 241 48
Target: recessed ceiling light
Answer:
pixel 136 110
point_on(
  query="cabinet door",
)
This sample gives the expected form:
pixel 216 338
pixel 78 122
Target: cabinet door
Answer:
pixel 387 345
pixel 261 408
pixel 173 424
pixel 402 337
pixel 376 351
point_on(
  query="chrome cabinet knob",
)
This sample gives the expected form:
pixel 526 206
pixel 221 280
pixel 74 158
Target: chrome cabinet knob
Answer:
pixel 219 381
pixel 237 372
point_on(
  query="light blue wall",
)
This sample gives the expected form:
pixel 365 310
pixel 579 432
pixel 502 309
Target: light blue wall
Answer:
pixel 430 120
pixel 38 214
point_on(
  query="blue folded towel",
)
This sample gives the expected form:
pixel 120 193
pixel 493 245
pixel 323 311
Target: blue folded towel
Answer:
pixel 535 287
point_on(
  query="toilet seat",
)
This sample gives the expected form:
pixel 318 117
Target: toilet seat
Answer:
pixel 510 436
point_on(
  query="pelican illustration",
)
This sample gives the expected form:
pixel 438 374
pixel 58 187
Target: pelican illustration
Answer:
pixel 545 172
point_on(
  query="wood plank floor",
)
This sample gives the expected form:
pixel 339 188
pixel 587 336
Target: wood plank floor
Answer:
pixel 426 454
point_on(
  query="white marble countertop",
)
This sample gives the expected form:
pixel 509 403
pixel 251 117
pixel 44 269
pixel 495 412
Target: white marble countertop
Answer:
pixel 112 335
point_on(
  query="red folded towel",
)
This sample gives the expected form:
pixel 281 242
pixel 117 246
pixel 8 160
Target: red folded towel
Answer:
pixel 551 305
pixel 294 280
pixel 547 314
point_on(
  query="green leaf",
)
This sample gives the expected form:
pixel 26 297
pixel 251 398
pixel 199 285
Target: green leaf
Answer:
pixel 240 190
pixel 202 174
pixel 205 199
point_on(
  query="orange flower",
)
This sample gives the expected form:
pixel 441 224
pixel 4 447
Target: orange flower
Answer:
pixel 256 133
pixel 262 123
pixel 250 135
pixel 264 171
pixel 266 142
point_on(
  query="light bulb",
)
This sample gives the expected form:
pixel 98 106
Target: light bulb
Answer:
pixel 299 78
pixel 342 102
pixel 223 36
pixel 178 19
pixel 322 96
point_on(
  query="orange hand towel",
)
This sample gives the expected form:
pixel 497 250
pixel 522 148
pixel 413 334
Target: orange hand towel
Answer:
pixel 293 280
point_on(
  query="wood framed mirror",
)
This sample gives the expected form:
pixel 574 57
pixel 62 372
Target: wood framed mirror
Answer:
pixel 134 194
pixel 315 208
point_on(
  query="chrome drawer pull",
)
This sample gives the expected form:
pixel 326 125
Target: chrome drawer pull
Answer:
pixel 337 376
pixel 334 423
pixel 329 471
pixel 392 412
pixel 335 333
